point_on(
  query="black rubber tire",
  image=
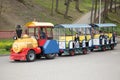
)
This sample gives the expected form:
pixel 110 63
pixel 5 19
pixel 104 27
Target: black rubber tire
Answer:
pixel 31 56
pixel 16 60
pixel 59 54
pixel 111 47
pixel 72 52
pixel 91 50
pixel 103 48
pixel 84 51
pixel 50 56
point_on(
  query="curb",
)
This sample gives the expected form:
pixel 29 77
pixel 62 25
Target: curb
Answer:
pixel 4 55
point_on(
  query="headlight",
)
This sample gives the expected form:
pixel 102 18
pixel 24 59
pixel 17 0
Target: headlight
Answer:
pixel 16 48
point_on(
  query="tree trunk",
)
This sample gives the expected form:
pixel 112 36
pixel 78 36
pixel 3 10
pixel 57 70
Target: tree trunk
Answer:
pixel 91 19
pixel 77 5
pixel 52 8
pixel 119 5
pixel 115 6
pixel 105 13
pixel 57 4
pixel 96 3
pixel 111 4
pixel 67 8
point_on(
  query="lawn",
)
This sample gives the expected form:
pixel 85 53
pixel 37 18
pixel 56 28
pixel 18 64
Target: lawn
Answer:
pixel 57 18
pixel 113 18
pixel 5 45
pixel 4 52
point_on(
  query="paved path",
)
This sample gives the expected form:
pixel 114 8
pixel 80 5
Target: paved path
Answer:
pixel 93 66
pixel 85 19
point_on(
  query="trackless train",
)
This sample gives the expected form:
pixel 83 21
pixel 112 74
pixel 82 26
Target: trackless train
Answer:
pixel 43 39
pixel 71 42
pixel 38 41
pixel 105 38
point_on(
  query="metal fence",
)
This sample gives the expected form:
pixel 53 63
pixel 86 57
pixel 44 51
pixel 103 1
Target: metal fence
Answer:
pixel 6 34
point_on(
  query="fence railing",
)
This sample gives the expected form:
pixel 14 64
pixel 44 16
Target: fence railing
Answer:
pixel 6 34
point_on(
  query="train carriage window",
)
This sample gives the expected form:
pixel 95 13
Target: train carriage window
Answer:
pixel 42 33
pixel 33 32
pixel 49 33
pixel 69 32
pixel 56 33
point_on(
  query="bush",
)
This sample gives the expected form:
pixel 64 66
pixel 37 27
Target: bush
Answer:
pixel 8 47
pixel 5 44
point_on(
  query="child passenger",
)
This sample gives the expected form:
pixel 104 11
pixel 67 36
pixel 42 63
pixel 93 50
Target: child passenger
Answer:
pixel 76 39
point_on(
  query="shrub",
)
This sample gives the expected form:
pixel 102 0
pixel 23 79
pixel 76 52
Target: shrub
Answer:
pixel 8 47
pixel 5 44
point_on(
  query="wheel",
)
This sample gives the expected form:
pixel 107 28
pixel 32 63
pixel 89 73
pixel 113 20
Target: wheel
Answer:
pixel 72 52
pixel 112 47
pixel 91 50
pixel 103 48
pixel 16 60
pixel 60 54
pixel 84 51
pixel 50 56
pixel 31 56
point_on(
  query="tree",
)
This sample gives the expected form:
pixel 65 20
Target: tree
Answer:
pixel 95 12
pixel 77 2
pixel 119 5
pixel 111 4
pixel 52 8
pixel 105 12
pixel 67 3
pixel 57 4
pixel 115 5
pixel 91 19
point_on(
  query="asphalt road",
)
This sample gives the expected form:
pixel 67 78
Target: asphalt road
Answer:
pixel 93 66
pixel 85 19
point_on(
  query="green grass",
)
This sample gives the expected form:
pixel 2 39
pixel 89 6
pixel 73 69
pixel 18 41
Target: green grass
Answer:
pixel 4 52
pixel 113 18
pixel 41 10
pixel 5 42
pixel 5 45
pixel 85 6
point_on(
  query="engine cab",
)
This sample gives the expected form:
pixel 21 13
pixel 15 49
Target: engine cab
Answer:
pixel 35 43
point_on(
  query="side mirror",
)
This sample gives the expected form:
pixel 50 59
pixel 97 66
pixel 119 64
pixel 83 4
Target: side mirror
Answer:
pixel 14 38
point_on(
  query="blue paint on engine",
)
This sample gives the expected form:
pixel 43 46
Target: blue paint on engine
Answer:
pixel 51 46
